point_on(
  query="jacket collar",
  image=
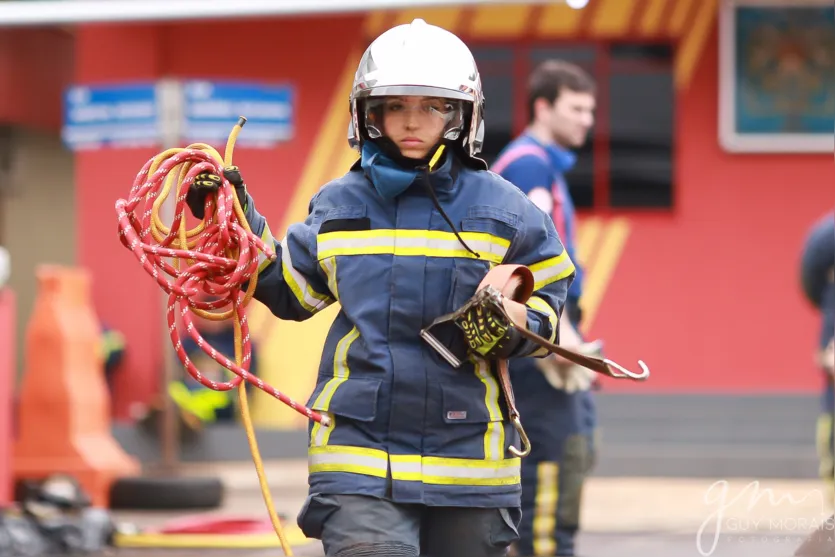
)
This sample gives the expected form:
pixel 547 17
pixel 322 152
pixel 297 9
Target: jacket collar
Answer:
pixel 442 178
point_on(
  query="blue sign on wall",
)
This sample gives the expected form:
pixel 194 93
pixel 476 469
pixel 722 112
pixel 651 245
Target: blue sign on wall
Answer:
pixel 124 115
pixel 211 109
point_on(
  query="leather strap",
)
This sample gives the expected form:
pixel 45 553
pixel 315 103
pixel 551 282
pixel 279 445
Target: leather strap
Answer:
pixel 503 277
pixel 515 282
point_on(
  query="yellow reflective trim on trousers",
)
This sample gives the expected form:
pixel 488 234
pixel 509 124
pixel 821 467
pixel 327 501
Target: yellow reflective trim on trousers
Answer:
pixel 329 266
pixel 551 270
pixel 429 243
pixel 309 299
pixel 352 460
pixel 320 435
pixel 494 436
pixel 537 303
pixel 455 471
pixel 545 508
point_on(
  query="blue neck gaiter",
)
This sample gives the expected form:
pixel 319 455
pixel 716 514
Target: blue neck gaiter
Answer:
pixel 389 178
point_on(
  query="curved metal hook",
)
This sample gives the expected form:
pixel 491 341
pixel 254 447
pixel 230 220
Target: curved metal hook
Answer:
pixel 625 372
pixel 526 444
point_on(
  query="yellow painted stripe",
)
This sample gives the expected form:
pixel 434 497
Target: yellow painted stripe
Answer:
pixel 651 18
pixel 288 344
pixel 331 135
pixel 342 157
pixel 374 24
pixel 500 21
pixel 612 17
pixel 446 18
pixel 259 322
pixel 587 234
pixel 597 280
pixel 558 20
pixel 693 43
pixel 680 12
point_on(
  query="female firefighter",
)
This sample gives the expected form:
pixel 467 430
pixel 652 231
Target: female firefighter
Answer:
pixel 416 460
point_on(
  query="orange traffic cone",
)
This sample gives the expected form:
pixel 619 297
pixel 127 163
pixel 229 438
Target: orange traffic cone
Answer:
pixel 64 404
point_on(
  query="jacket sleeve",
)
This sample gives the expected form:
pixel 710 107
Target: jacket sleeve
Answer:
pixel 293 287
pixel 538 247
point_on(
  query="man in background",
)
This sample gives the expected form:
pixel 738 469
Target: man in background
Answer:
pixel 553 395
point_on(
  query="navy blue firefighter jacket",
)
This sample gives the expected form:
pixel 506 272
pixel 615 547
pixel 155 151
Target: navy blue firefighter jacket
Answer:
pixel 407 426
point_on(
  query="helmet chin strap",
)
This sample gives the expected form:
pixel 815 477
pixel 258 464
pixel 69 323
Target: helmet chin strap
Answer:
pixel 391 150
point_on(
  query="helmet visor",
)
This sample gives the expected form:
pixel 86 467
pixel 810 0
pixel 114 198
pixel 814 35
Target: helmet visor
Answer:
pixel 447 115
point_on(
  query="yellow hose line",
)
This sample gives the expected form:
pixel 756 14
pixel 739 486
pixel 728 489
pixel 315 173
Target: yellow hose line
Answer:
pixel 188 240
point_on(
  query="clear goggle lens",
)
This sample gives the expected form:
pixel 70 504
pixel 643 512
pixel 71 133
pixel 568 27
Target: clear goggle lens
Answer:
pixel 427 111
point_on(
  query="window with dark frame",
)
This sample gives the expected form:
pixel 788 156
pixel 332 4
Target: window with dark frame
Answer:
pixel 627 162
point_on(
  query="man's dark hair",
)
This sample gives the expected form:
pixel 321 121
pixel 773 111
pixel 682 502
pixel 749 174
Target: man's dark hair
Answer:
pixel 551 77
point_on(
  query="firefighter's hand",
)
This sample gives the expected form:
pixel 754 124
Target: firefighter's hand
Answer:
pixel 569 338
pixel 488 333
pixel 207 183
pixel 567 376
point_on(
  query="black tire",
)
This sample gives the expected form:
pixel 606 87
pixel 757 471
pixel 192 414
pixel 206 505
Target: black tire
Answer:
pixel 166 493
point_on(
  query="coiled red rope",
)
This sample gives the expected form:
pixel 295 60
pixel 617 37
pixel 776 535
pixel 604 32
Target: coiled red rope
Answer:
pixel 218 257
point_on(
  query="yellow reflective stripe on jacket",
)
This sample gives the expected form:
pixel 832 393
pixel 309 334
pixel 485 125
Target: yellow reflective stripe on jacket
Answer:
pixel 455 471
pixel 329 266
pixel 319 435
pixel 353 460
pixel 551 270
pixel 267 238
pixel 309 299
pixel 414 468
pixel 494 436
pixel 430 243
pixel 537 303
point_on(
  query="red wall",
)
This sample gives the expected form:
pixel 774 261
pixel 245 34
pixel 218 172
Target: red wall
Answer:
pixel 708 296
pixel 126 296
pixel 35 65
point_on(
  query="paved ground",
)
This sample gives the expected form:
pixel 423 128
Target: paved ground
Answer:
pixel 621 517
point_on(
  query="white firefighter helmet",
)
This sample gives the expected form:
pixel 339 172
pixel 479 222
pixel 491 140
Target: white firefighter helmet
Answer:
pixel 421 60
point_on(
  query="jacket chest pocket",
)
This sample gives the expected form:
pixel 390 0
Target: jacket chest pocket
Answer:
pixel 488 231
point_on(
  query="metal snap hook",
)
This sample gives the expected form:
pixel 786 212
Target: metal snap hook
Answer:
pixel 625 373
pixel 526 443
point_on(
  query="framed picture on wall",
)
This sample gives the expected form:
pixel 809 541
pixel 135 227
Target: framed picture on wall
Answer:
pixel 777 76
